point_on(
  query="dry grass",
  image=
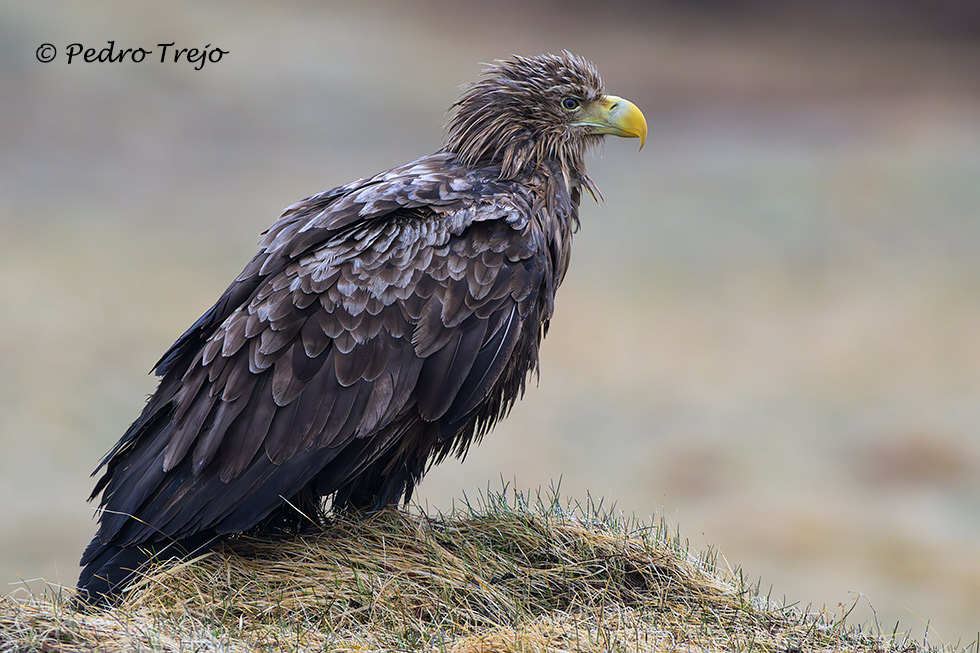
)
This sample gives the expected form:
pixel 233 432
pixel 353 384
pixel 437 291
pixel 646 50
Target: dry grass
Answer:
pixel 509 573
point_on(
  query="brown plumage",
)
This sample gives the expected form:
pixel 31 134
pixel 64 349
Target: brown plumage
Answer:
pixel 382 326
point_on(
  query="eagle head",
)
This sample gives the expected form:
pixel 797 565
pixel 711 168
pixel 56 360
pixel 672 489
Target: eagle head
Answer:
pixel 524 111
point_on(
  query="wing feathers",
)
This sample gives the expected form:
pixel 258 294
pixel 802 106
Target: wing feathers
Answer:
pixel 188 426
pixel 350 366
pixel 280 442
pixel 488 365
pixel 252 425
pixel 368 311
pixel 445 371
pixel 245 434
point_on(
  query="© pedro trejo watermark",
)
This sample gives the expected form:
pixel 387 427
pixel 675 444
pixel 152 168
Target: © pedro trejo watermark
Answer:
pixel 161 53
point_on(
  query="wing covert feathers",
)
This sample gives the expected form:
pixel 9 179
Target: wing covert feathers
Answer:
pixel 370 311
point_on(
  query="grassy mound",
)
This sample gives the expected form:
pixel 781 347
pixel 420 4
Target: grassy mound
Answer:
pixel 508 574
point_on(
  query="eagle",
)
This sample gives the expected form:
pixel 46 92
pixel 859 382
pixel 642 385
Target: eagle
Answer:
pixel 381 327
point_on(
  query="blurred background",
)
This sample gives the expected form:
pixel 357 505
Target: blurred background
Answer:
pixel 768 335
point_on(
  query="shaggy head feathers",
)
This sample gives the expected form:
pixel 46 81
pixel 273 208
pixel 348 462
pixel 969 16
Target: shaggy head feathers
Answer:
pixel 519 114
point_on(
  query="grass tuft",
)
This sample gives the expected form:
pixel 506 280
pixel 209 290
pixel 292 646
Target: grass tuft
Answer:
pixel 510 572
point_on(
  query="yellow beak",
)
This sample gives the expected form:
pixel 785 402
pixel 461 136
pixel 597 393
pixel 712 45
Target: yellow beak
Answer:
pixel 616 116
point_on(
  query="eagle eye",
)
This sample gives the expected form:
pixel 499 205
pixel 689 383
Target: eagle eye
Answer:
pixel 570 104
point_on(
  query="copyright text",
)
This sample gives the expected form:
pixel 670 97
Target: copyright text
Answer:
pixel 161 53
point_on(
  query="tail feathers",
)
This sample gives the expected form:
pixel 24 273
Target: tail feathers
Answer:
pixel 109 569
